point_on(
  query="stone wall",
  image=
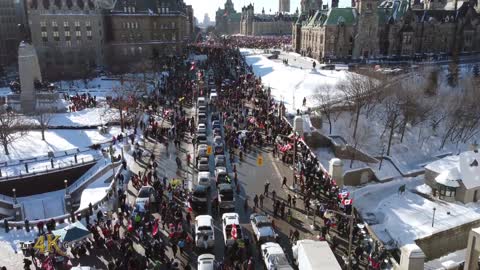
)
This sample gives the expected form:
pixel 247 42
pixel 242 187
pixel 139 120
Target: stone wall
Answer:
pixel 358 177
pixel 445 242
pixel 349 152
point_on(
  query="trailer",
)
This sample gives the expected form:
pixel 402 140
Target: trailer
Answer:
pixel 311 255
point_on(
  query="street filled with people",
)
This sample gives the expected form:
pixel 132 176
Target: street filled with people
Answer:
pixel 227 202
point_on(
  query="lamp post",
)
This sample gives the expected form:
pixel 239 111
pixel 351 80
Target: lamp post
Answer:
pixel 351 217
pixel 14 195
pixel 433 216
pixel 66 185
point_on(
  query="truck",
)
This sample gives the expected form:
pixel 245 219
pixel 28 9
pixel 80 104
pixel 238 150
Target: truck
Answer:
pixel 311 254
pixel 274 257
pixel 226 197
pixel 232 231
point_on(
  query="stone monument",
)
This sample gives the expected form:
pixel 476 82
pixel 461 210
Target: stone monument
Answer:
pixel 29 72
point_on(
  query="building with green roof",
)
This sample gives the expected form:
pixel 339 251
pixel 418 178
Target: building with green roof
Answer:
pixel 227 20
pixel 391 28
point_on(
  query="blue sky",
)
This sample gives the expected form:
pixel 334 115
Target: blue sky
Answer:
pixel 200 7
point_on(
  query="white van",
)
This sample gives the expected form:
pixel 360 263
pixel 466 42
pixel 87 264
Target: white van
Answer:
pixel 201 101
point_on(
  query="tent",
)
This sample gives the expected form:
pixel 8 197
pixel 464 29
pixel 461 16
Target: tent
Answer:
pixel 73 232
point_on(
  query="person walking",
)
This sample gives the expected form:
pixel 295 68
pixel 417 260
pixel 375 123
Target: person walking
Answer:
pixel 267 185
pixel 255 200
pixel 289 200
pixel 174 250
pixel 284 182
pixel 261 200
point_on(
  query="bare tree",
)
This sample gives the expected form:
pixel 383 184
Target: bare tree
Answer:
pixel 44 118
pixel 360 141
pixel 125 99
pixel 12 127
pixel 324 99
pixel 358 91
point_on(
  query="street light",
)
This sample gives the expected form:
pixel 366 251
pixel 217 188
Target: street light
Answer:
pixel 351 217
pixel 14 195
pixel 433 216
pixel 66 185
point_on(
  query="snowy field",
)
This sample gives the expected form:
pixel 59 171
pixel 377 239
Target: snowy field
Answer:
pixel 84 118
pixel 31 145
pixel 399 219
pixel 294 82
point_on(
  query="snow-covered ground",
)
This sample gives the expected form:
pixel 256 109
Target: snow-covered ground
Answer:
pixel 403 218
pixel 31 145
pixel 84 118
pixel 294 82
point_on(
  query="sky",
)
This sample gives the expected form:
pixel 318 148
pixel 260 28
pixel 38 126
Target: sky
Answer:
pixel 200 7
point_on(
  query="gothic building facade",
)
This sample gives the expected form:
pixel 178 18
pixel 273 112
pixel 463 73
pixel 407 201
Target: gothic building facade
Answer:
pixel 392 28
pixel 227 20
pixel 252 24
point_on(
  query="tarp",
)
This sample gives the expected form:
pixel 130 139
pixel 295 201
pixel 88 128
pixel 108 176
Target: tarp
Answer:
pixel 73 232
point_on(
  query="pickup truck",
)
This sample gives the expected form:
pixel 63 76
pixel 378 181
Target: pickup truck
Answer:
pixel 274 257
pixel 204 232
pixel 262 228
pixel 232 231
pixel 226 197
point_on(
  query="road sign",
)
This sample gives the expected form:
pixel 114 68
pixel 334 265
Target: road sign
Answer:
pixel 209 150
pixel 259 160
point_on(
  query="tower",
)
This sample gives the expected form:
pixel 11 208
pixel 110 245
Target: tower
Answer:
pixel 309 6
pixel 284 6
pixel 366 32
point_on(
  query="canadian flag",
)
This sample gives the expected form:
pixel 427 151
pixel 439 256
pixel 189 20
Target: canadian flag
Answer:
pixel 193 66
pixel 155 228
pixel 347 202
pixel 343 194
pixel 234 232
pixel 189 207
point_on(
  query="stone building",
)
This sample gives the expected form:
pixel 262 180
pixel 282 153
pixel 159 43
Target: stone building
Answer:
pixel 393 29
pixel 137 30
pixel 8 32
pixel 68 36
pixel 284 6
pixel 227 20
pixel 252 24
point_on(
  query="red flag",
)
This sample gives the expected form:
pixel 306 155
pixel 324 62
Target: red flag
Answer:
pixel 193 66
pixel 347 201
pixel 234 232
pixel 155 228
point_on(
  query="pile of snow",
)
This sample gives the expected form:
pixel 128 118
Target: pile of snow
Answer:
pixel 406 217
pixel 292 83
pixel 96 191
pixel 31 145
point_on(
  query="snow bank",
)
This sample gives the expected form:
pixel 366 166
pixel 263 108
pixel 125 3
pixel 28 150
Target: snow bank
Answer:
pixel 31 145
pixel 291 84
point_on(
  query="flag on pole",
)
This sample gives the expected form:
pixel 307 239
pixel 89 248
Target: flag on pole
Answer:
pixel 193 66
pixel 155 228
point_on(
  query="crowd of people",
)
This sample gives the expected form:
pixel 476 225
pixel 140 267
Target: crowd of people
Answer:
pixel 259 42
pixel 80 102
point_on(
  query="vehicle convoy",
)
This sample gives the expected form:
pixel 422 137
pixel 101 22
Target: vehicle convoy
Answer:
pixel 206 262
pixel 204 234
pixel 311 255
pixel 274 257
pixel 262 228
pixel 203 179
pixel 232 231
pixel 226 197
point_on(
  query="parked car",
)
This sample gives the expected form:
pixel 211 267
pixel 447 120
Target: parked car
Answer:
pixel 200 197
pixel 216 124
pixel 204 179
pixel 221 175
pixel 202 109
pixel 226 197
pixel 215 116
pixel 202 138
pixel 274 257
pixel 203 165
pixel 217 132
pixel 202 150
pixel 219 161
pixel 202 128
pixel 204 232
pixel 202 118
pixel 206 262
pixel 262 228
